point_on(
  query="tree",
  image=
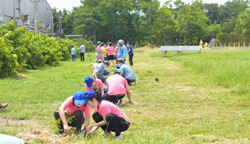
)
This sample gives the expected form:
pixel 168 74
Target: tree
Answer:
pixel 193 23
pixel 164 26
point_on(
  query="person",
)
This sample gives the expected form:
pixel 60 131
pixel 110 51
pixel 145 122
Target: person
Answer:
pixel 99 52
pixel 122 51
pixel 104 52
pixel 116 48
pixel 126 72
pixel 117 88
pixel 99 71
pixel 82 51
pixel 4 105
pixel 130 53
pixel 111 56
pixel 94 84
pixel 107 116
pixel 75 107
pixel 73 53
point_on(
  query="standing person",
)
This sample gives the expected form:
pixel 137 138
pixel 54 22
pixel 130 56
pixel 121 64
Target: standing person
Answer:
pixel 130 54
pixel 94 84
pixel 107 116
pixel 73 53
pixel 99 52
pixel 111 52
pixel 126 72
pixel 117 88
pixel 122 52
pixel 75 107
pixel 82 51
pixel 103 48
pixel 4 105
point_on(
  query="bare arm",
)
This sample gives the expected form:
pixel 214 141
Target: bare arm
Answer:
pixel 63 118
pixel 94 127
pixel 129 94
pixel 95 75
pixel 102 91
pixel 87 121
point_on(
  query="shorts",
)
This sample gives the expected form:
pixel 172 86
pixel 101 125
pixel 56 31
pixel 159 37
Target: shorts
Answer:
pixel 111 57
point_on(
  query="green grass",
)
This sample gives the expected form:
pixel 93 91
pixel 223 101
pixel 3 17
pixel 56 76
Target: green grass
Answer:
pixel 228 68
pixel 187 105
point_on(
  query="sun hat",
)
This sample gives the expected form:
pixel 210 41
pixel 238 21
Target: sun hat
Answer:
pixel 89 81
pixel 82 98
pixel 99 42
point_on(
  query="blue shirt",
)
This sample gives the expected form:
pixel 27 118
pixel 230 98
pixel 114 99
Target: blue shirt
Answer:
pixel 127 72
pixel 82 49
pixel 122 53
pixel 73 51
pixel 131 50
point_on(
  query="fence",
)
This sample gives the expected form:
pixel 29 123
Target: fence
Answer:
pixel 231 46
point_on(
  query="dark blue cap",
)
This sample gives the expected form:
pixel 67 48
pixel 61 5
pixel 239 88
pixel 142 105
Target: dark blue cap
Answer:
pixel 89 81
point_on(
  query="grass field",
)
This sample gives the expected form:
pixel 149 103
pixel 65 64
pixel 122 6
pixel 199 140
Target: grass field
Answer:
pixel 200 98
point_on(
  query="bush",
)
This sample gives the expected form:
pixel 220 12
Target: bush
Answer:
pixel 20 50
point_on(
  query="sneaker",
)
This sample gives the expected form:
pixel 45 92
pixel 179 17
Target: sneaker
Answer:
pixel 108 134
pixel 119 137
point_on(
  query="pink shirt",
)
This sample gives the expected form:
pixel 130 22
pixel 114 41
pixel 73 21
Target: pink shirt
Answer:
pixel 71 108
pixel 116 85
pixel 107 107
pixel 98 50
pixel 110 50
pixel 97 85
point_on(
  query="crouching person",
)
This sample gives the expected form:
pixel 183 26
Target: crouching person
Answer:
pixel 107 116
pixel 117 88
pixel 77 108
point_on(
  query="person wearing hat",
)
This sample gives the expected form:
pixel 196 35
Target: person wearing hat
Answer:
pixel 122 52
pixel 126 72
pixel 100 72
pixel 75 107
pixel 99 52
pixel 117 88
pixel 107 116
pixel 111 56
pixel 130 53
pixel 94 84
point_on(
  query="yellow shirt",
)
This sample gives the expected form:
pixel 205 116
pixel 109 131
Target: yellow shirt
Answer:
pixel 104 51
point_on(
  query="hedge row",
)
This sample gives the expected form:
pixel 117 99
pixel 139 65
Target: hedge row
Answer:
pixel 23 50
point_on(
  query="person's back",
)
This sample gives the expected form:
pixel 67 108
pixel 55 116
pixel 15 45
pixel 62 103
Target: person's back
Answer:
pixel 99 68
pixel 116 85
pixel 111 50
pixel 73 51
pixel 122 53
pixel 127 72
pixel 82 49
pixel 130 49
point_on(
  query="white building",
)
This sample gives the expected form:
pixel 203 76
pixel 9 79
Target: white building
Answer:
pixel 22 11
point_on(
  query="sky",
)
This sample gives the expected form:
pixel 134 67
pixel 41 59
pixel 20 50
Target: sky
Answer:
pixel 69 4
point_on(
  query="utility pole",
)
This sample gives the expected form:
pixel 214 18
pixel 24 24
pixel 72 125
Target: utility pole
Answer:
pixel 14 10
pixel 60 23
pixel 19 9
pixel 35 16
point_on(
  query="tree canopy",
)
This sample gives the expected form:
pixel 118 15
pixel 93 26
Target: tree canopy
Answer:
pixel 148 22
